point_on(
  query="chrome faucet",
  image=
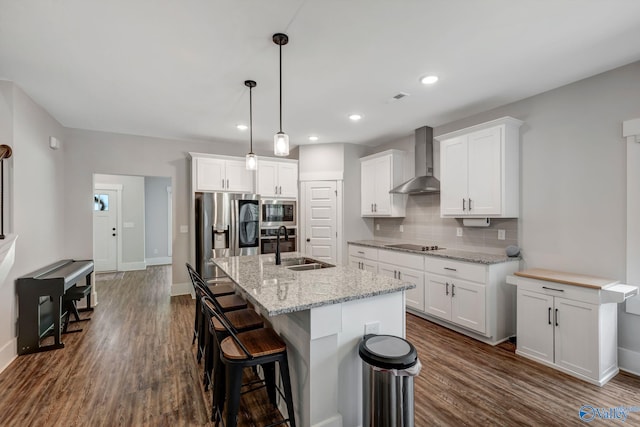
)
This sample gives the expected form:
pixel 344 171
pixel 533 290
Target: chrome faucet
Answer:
pixel 286 237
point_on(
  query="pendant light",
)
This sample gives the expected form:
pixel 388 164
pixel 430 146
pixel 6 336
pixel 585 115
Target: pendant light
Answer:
pixel 252 159
pixel 280 139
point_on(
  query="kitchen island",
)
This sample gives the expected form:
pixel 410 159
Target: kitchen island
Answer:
pixel 322 315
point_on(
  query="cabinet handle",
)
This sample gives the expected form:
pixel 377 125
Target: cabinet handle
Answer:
pixel 361 252
pixel 464 208
pixel 450 269
pixel 469 205
pixel 223 183
pixel 275 190
pixel 395 274
pixel 453 290
pixel 549 316
pixel 557 317
pixel 227 183
pixel 375 207
pixel 446 292
pixel 280 189
pixel 553 289
pixel 371 207
pixel 399 276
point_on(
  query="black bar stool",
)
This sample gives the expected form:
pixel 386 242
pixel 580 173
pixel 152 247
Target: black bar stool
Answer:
pixel 229 301
pixel 258 347
pixel 241 320
pixel 70 306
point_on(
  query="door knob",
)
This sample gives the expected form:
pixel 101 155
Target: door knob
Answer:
pixel 308 240
pixel 113 234
pixel 114 229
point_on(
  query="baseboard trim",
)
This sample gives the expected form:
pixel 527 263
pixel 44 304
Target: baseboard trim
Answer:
pixel 180 289
pixel 629 361
pixel 132 266
pixel 159 261
pixel 8 353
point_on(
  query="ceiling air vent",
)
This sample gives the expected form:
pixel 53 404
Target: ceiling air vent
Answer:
pixel 398 96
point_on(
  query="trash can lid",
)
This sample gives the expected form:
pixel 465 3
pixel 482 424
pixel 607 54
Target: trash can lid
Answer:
pixel 388 352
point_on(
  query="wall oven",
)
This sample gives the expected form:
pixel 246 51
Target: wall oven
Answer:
pixel 268 240
pixel 274 213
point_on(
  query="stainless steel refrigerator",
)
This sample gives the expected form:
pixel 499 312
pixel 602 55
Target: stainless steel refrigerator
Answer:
pixel 227 224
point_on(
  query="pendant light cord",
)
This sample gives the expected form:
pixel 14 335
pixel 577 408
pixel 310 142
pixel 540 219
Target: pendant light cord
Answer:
pixel 280 87
pixel 250 121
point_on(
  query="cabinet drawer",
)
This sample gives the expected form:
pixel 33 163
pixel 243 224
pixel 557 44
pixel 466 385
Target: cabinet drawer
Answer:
pixel 402 259
pixel 576 293
pixel 457 269
pixel 363 252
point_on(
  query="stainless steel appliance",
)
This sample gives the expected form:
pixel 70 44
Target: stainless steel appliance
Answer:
pixel 227 224
pixel 275 212
pixel 268 240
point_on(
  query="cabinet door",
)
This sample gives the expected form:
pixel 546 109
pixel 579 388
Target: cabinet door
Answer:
pixel 576 336
pixel 453 176
pixel 355 262
pixel 468 307
pixel 210 174
pixel 383 180
pixel 387 270
pixel 535 325
pixel 370 266
pixel 367 186
pixel 288 180
pixel 485 172
pixel 238 177
pixel 267 178
pixel 437 296
pixel 415 296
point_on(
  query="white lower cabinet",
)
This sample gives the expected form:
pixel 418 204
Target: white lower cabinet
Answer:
pixel 471 298
pixel 363 258
pixel 458 301
pixel 577 337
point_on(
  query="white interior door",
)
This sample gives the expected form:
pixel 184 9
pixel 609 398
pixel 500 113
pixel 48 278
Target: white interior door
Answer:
pixel 320 220
pixel 105 232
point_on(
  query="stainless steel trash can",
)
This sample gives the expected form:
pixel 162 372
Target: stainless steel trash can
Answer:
pixel 389 365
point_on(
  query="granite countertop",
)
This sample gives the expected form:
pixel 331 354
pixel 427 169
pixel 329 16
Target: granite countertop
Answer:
pixel 275 289
pixel 455 254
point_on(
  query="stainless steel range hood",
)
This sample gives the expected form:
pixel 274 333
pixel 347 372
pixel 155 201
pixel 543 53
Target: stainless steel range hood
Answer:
pixel 424 181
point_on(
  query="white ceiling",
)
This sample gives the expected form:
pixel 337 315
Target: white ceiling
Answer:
pixel 175 69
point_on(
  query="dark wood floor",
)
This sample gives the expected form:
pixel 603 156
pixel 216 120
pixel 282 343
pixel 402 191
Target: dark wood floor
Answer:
pixel 134 365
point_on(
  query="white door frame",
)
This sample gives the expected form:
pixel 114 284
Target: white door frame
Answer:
pixel 118 189
pixel 169 221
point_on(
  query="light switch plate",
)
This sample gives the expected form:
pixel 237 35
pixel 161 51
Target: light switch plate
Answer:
pixel 372 328
pixel 502 234
pixel 184 228
pixel 459 231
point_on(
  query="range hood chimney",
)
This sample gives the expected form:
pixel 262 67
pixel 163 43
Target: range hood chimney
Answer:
pixel 424 181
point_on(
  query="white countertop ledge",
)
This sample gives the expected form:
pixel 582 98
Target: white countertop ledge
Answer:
pixel 275 289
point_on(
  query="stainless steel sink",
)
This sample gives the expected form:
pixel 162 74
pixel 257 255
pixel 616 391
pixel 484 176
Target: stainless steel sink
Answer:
pixel 304 263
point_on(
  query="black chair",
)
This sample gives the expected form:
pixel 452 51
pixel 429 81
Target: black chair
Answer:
pixel 70 306
pixel 240 320
pixel 226 302
pixel 250 349
pixel 218 289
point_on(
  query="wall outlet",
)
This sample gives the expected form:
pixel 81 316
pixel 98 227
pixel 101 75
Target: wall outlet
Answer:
pixel 401 228
pixel 155 251
pixel 184 228
pixel 459 231
pixel 377 227
pixel 372 328
pixel 502 234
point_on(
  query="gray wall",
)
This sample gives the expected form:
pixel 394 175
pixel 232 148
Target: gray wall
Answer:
pixel 37 197
pixel 91 152
pixel 156 217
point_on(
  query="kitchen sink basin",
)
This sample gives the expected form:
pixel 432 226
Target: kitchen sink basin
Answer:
pixel 304 263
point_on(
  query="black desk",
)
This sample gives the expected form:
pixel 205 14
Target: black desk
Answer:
pixel 40 302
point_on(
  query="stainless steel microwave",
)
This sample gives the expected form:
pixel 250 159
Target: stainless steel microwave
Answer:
pixel 275 212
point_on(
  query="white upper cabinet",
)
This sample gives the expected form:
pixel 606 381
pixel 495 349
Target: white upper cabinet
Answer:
pixel 479 170
pixel 380 173
pixel 277 178
pixel 211 173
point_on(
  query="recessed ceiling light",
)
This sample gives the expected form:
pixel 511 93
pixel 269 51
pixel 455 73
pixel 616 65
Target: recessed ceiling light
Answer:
pixel 242 127
pixel 355 117
pixel 313 138
pixel 428 80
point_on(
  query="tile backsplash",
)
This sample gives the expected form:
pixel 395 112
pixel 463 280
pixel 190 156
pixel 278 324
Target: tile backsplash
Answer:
pixel 423 225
